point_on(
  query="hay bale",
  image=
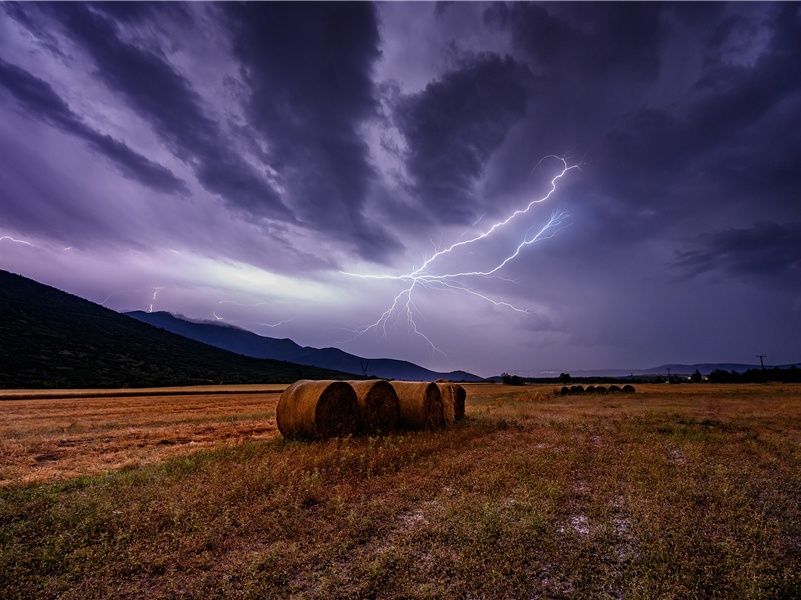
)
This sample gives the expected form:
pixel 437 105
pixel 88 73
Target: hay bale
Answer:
pixel 378 406
pixel 453 397
pixel 448 395
pixel 628 389
pixel 599 389
pixel 576 390
pixel 461 396
pixel 564 391
pixel 590 389
pixel 613 389
pixel 420 405
pixel 317 410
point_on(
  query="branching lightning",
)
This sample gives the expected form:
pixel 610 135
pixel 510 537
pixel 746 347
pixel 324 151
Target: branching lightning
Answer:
pixel 426 276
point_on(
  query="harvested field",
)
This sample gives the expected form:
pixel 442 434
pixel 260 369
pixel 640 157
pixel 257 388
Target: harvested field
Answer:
pixel 54 434
pixel 677 491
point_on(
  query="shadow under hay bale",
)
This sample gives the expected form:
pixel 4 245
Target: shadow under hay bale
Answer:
pixel 420 405
pixel 318 410
pixel 628 389
pixel 453 397
pixel 378 406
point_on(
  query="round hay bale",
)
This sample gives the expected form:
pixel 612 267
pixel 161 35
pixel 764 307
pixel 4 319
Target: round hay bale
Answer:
pixel 420 405
pixel 453 397
pixel 565 390
pixel 576 390
pixel 613 389
pixel 447 392
pixel 628 389
pixel 599 389
pixel 378 406
pixel 458 407
pixel 317 410
pixel 590 389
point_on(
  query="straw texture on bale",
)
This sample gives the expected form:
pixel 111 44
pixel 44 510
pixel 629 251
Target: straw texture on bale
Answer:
pixel 317 410
pixel 448 393
pixel 420 405
pixel 378 405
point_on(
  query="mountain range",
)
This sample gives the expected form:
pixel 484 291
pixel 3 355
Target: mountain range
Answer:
pixel 52 339
pixel 248 343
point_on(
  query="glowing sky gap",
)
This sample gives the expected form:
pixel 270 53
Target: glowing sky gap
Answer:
pixel 423 277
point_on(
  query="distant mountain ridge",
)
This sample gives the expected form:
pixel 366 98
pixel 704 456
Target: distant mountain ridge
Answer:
pixel 675 369
pixel 52 339
pixel 251 344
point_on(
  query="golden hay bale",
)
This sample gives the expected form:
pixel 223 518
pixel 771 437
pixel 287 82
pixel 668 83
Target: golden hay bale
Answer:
pixel 420 405
pixel 447 392
pixel 378 405
pixel 318 409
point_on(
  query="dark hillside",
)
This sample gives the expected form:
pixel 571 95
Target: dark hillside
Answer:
pixel 52 339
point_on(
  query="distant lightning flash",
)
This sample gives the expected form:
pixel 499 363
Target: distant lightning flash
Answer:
pixel 153 300
pixel 11 239
pixel 403 307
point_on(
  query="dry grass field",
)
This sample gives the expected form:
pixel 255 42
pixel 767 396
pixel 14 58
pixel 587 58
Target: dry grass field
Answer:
pixel 683 491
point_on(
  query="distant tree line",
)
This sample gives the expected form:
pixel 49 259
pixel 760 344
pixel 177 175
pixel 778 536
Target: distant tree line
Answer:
pixel 791 375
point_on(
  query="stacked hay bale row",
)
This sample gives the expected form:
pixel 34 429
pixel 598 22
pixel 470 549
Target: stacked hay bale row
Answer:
pixel 322 409
pixel 577 390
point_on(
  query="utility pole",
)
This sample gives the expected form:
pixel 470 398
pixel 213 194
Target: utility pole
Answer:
pixel 668 374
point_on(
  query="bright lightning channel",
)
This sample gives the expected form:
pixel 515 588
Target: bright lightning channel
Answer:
pixel 153 300
pixel 8 237
pixel 403 306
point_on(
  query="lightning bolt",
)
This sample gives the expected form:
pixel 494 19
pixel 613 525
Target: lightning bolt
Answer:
pixel 427 277
pixel 153 300
pixel 8 237
pixel 277 324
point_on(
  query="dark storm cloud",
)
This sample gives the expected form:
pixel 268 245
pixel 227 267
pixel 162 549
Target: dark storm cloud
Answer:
pixel 735 117
pixel 454 125
pixel 310 70
pixel 588 39
pixel 161 95
pixel 38 99
pixel 765 250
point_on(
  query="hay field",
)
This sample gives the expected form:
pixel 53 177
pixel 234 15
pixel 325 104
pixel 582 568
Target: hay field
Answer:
pixel 48 435
pixel 685 491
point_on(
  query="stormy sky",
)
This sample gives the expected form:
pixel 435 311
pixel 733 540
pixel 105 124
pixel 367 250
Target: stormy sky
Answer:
pixel 355 174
